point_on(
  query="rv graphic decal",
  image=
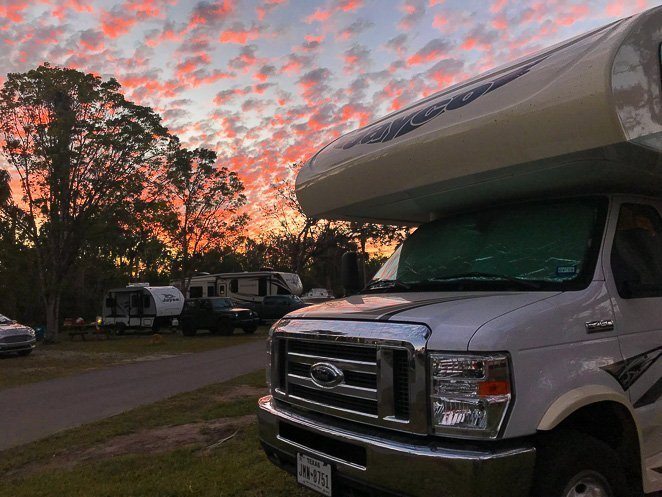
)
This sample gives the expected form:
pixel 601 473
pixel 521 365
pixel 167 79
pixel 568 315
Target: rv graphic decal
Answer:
pixel 168 297
pixel 399 126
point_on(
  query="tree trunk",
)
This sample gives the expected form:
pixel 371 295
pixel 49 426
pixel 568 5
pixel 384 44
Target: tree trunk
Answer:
pixel 363 257
pixel 52 317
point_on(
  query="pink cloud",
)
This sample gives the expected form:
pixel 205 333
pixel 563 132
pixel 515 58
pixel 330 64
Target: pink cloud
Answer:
pixel 116 23
pixel 239 34
pixel 320 15
pixel 433 50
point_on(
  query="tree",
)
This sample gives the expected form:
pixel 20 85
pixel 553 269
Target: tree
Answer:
pixel 79 149
pixel 206 199
pixel 313 247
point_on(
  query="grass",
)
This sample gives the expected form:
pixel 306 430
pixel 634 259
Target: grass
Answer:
pixel 58 466
pixel 70 357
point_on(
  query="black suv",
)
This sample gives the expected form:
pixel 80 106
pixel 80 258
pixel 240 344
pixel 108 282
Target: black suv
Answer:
pixel 276 306
pixel 216 315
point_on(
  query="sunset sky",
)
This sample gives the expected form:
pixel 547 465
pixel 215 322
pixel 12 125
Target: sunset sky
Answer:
pixel 266 82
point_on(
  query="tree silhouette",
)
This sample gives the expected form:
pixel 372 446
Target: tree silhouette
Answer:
pixel 205 199
pixel 79 150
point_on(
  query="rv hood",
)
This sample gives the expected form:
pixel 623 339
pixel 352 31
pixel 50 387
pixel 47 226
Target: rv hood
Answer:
pixel 453 318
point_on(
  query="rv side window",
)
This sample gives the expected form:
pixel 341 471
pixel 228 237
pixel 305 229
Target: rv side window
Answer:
pixel 636 256
pixel 234 286
pixel 262 287
pixel 195 292
pixel 211 291
pixel 146 301
pixel 135 300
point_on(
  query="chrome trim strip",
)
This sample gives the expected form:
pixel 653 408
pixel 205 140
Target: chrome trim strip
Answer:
pixel 342 389
pixel 345 364
pixel 325 407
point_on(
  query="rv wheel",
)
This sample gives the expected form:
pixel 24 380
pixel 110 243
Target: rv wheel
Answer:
pixel 224 327
pixel 572 464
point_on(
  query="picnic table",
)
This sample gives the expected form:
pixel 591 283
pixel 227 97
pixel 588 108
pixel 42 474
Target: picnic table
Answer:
pixel 82 329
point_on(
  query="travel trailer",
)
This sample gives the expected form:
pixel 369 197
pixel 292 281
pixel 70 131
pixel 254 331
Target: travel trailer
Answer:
pixel 512 345
pixel 244 288
pixel 317 295
pixel 140 306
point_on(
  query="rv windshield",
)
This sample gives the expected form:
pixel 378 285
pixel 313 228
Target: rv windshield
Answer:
pixel 541 246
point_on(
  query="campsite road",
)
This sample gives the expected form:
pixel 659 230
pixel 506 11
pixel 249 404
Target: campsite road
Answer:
pixel 36 410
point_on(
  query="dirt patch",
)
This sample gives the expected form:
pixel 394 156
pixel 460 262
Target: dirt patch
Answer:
pixel 240 392
pixel 153 441
pixel 151 357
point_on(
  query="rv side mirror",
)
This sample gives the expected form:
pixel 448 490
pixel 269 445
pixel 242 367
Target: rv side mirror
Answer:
pixel 350 273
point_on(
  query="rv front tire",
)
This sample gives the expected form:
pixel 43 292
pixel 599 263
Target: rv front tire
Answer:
pixel 572 464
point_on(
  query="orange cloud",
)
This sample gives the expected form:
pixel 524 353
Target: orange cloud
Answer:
pixel 115 24
pixel 320 15
pixel 239 34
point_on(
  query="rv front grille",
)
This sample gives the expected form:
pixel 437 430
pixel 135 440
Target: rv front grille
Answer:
pixel 16 339
pixel 375 384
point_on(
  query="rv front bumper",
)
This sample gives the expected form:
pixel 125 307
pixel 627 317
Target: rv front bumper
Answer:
pixel 373 462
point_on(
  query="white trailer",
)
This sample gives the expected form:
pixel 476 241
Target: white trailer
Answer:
pixel 244 287
pixel 140 306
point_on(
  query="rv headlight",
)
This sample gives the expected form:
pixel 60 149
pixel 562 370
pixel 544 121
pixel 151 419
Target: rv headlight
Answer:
pixel 470 394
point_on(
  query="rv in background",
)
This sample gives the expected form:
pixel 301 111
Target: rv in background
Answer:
pixel 140 306
pixel 317 295
pixel 243 288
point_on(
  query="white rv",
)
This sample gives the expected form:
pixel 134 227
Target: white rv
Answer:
pixel 140 306
pixel 243 288
pixel 512 345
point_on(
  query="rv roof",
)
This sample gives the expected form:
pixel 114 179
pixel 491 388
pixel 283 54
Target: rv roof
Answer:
pixel 581 116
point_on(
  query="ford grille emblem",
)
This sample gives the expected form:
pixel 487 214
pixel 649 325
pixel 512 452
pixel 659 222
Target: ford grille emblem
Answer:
pixel 326 375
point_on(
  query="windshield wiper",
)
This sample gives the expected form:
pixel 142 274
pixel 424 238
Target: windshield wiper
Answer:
pixel 386 285
pixel 478 274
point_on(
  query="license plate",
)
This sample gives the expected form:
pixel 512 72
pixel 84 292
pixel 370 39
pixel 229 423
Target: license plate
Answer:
pixel 314 474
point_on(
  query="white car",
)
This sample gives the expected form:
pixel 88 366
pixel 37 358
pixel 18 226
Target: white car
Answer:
pixel 15 338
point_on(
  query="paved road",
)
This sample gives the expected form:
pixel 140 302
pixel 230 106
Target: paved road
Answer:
pixel 34 411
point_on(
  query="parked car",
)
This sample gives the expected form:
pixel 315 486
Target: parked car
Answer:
pixel 15 338
pixel 276 306
pixel 216 314
pixel 512 345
